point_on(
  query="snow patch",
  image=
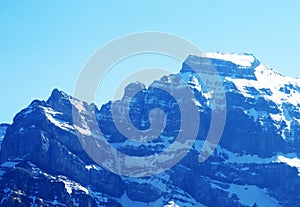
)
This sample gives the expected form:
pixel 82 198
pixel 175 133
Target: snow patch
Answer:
pixel 95 167
pixel 251 194
pixel 50 114
pixel 293 162
pixel 238 59
pixel 194 83
pixel 71 185
pixel 171 204
pixel 246 158
pixel 84 131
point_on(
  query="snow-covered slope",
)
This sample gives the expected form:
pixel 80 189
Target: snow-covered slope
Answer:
pixel 282 92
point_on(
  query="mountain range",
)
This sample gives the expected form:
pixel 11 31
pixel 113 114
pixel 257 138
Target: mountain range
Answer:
pixel 254 162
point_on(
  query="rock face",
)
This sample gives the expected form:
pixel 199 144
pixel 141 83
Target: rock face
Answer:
pixel 3 128
pixel 256 162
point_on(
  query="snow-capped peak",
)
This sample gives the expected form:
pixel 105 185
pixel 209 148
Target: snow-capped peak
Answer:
pixel 269 94
pixel 243 59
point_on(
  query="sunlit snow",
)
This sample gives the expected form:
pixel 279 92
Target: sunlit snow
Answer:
pixel 50 114
pixel 293 162
pixel 171 204
pixel 238 59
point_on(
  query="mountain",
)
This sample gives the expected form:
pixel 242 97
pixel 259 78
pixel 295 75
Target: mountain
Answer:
pixel 66 152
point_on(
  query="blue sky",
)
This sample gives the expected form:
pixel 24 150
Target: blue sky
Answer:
pixel 45 44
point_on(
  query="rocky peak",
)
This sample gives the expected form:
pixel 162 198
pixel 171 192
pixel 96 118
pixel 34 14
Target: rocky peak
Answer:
pixel 57 95
pixel 133 88
pixel 224 64
pixel 60 101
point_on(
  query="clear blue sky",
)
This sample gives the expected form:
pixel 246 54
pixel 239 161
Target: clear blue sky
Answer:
pixel 44 44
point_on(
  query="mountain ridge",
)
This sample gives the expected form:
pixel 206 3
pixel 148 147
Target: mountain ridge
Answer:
pixel 255 154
